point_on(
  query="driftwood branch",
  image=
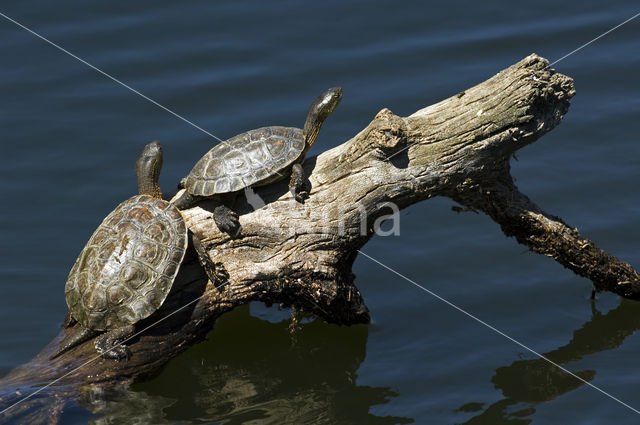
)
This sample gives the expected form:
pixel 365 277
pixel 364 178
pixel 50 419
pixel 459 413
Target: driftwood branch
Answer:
pixel 300 255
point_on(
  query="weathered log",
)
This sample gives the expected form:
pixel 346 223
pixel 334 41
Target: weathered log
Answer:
pixel 300 255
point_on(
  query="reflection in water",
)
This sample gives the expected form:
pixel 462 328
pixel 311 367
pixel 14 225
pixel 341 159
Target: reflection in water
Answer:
pixel 526 383
pixel 118 404
pixel 251 371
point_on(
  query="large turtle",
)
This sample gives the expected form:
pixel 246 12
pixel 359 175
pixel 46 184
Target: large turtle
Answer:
pixel 128 266
pixel 256 158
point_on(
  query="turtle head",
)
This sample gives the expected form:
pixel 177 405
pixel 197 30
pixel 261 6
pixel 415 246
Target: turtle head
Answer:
pixel 319 110
pixel 148 168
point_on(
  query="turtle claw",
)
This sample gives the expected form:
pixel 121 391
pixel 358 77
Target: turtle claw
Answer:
pixel 297 184
pixel 227 221
pixel 109 345
pixel 300 196
pixel 117 353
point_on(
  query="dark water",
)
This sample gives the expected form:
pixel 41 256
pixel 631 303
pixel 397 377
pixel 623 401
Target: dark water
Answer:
pixel 69 138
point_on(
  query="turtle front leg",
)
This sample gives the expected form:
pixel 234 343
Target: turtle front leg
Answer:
pixel 109 344
pixel 227 220
pixel 297 185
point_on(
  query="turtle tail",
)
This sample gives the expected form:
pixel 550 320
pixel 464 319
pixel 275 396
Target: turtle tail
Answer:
pixel 76 339
pixel 186 200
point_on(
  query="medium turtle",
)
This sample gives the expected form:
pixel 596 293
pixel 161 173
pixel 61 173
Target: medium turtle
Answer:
pixel 127 268
pixel 256 158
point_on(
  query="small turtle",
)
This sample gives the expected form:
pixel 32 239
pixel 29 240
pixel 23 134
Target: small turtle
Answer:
pixel 127 268
pixel 256 158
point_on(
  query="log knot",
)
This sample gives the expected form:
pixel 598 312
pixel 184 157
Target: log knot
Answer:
pixel 385 136
pixel 389 135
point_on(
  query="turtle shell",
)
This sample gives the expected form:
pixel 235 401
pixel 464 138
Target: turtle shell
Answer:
pixel 126 270
pixel 254 158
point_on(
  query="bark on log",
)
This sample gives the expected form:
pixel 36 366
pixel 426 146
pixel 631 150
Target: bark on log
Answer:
pixel 301 255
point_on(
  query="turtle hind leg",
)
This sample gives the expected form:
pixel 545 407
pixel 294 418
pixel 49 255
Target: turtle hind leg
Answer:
pixel 227 220
pixel 76 339
pixel 110 344
pixel 297 184
pixel 215 272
